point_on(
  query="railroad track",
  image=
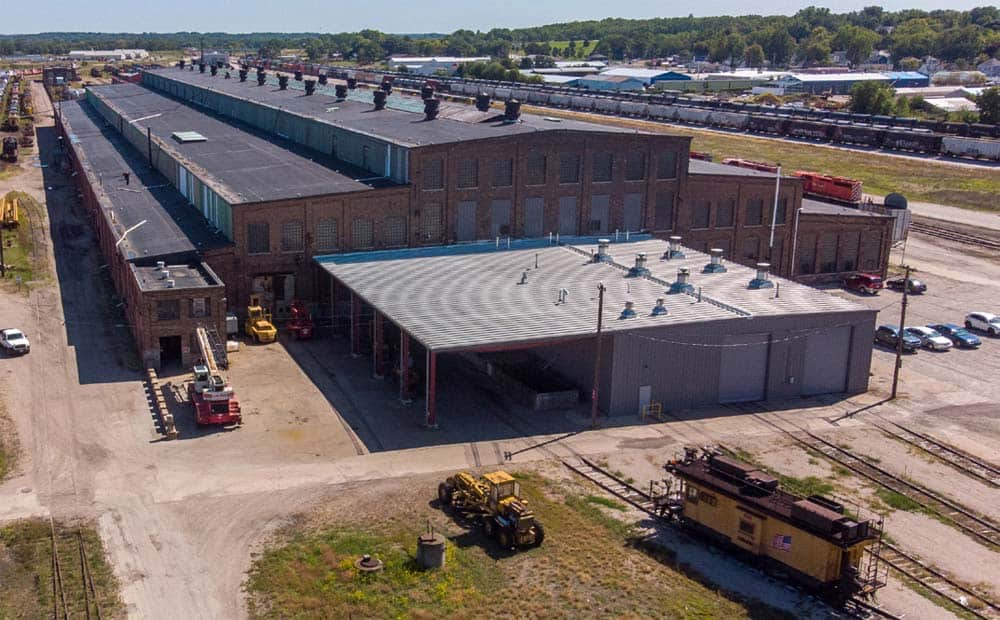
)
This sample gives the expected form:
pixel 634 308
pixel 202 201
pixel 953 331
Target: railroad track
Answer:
pixel 74 594
pixel 937 582
pixel 942 232
pixel 978 527
pixel 959 459
pixel 614 484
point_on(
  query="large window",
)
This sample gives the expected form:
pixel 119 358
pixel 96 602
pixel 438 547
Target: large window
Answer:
pixel 433 174
pixel 663 216
pixel 751 249
pixel 326 235
pixel 535 169
pixel 362 234
pixel 569 168
pixel 503 172
pixel 200 307
pixel 602 167
pixel 700 214
pixel 168 310
pixel 430 223
pixel 635 166
pixel 779 216
pixel 755 212
pixel 395 231
pixel 666 165
pixel 724 213
pixel 291 236
pixel 468 172
pixel 258 238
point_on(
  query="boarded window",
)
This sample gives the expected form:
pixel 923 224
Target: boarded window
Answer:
pixel 751 249
pixel 258 238
pixel 569 168
pixel 326 235
pixel 291 236
pixel 849 243
pixel 663 217
pixel 534 217
pixel 569 218
pixel 602 167
pixel 666 165
pixel 755 212
pixel 168 310
pixel 434 174
pixel 871 249
pixel 635 166
pixel 466 224
pixel 500 218
pixel 503 172
pixel 468 173
pixel 535 169
pixel 362 234
pixel 724 213
pixel 200 307
pixel 600 210
pixel 633 212
pixel 395 231
pixel 828 253
pixel 779 215
pixel 700 214
pixel 430 223
pixel 807 254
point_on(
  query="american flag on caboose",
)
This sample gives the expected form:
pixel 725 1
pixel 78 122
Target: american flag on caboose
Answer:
pixel 782 543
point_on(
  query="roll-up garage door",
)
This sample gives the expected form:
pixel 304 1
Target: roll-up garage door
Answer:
pixel 825 369
pixel 743 371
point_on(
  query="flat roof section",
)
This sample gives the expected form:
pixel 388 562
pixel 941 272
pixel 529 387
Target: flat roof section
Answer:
pixel 818 207
pixel 401 123
pixel 187 275
pixel 172 227
pixel 700 166
pixel 479 296
pixel 246 165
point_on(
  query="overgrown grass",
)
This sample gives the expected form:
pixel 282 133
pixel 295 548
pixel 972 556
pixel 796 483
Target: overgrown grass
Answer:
pixel 18 244
pixel 585 568
pixel 26 571
pixel 918 179
pixel 898 501
pixel 8 444
pixel 607 503
pixel 809 485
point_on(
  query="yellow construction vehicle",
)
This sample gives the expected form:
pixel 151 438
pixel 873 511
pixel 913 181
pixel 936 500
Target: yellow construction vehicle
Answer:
pixel 8 211
pixel 496 499
pixel 258 324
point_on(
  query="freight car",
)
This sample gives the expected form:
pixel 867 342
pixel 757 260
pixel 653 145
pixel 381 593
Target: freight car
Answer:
pixel 836 189
pixel 811 539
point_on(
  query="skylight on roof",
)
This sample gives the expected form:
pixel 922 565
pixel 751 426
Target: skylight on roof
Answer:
pixel 188 136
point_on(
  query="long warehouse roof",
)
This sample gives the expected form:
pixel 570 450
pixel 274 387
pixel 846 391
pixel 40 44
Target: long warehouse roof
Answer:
pixel 401 122
pixel 481 295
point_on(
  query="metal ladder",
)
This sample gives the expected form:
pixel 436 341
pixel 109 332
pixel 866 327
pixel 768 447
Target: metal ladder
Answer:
pixel 218 346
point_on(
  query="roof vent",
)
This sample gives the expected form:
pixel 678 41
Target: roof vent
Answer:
pixel 431 108
pixel 298 76
pixel 201 67
pixel 716 265
pixel 761 280
pixel 164 274
pixel 640 266
pixel 282 82
pixel 511 111
pixel 681 284
pixel 659 309
pixel 426 91
pixel 629 311
pixel 524 277
pixel 228 76
pixel 171 283
pixel 160 265
pixel 563 294
pixel 310 86
pixel 213 70
pixel 180 63
pixel 187 136
pixel 322 79
pixel 483 102
pixel 386 87
pixel 261 77
pixel 352 83
pixel 674 251
pixel 341 90
pixel 243 75
pixel 602 255
pixel 379 98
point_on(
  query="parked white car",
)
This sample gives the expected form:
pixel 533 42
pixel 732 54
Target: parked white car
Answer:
pixel 983 321
pixel 930 339
pixel 15 340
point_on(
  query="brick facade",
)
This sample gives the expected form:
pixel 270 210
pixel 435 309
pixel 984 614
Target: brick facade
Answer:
pixel 832 246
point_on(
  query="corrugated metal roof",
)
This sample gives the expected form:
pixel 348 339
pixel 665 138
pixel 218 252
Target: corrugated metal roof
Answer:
pixel 642 74
pixel 836 77
pixel 470 296
pixel 816 207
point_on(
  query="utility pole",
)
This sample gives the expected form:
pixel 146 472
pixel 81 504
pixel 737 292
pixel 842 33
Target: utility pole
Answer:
pixel 774 214
pixel 597 356
pixel 899 341
pixel 3 267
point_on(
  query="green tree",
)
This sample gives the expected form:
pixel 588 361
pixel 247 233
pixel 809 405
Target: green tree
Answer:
pixel 754 56
pixel 959 43
pixel 989 106
pixel 913 38
pixel 727 48
pixel 857 42
pixel 872 97
pixel 270 48
pixel 909 63
pixel 778 45
pixel 815 50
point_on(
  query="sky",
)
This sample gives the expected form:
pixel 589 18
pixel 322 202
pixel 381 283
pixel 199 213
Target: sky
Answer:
pixel 21 16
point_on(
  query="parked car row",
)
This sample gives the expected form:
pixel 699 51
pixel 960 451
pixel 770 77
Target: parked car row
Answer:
pixel 940 336
pixel 871 284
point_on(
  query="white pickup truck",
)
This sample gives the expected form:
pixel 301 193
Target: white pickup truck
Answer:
pixel 15 340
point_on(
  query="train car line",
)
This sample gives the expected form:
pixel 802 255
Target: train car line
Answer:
pixel 956 457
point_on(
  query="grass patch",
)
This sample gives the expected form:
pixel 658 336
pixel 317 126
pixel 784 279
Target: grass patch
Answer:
pixel 26 571
pixel 809 485
pixel 607 503
pixel 968 187
pixel 586 567
pixel 941 601
pixel 8 444
pixel 897 501
pixel 18 245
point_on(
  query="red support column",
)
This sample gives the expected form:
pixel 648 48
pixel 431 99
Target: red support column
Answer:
pixel 431 392
pixel 355 324
pixel 378 346
pixel 404 367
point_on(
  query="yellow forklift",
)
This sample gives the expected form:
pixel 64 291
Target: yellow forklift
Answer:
pixel 258 325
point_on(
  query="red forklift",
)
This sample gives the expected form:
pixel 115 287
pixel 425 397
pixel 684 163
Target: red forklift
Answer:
pixel 300 323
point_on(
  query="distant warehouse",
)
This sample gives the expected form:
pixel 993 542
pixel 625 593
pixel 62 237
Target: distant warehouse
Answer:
pixel 834 83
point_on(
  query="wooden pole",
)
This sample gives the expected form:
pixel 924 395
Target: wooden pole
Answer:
pixel 597 357
pixel 899 341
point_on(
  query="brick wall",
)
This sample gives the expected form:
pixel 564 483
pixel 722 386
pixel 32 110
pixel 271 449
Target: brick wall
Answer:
pixel 830 247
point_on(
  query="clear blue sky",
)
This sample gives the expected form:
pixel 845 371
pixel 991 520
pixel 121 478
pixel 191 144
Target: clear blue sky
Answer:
pixel 25 16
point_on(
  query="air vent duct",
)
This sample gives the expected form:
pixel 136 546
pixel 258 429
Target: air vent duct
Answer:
pixel 483 102
pixel 379 98
pixel 761 280
pixel 213 70
pixel 298 76
pixel 431 108
pixel 352 83
pixel 426 91
pixel 341 90
pixel 602 255
pixel 282 82
pixel 243 75
pixel 322 79
pixel 201 67
pixel 659 309
pixel 674 251
pixel 387 87
pixel 181 63
pixel 681 285
pixel 310 86
pixel 628 312
pixel 639 269
pixel 715 266
pixel 261 77
pixel 511 111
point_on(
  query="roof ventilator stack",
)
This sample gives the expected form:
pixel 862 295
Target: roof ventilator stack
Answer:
pixel 310 86
pixel 228 76
pixel 261 77
pixel 511 111
pixel 243 75
pixel 761 280
pixel 213 70
pixel 431 108
pixel 681 285
pixel 322 79
pixel 352 83
pixel 298 76
pixel 483 102
pixel 379 98
pixel 628 312
pixel 639 270
pixel 674 251
pixel 387 87
pixel 191 67
pixel 426 91
pixel 602 255
pixel 716 265
pixel 341 91
pixel 180 64
pixel 201 67
pixel 282 82
pixel 659 309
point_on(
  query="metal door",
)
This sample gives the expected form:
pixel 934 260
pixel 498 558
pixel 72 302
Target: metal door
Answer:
pixel 743 371
pixel 500 218
pixel 465 227
pixel 633 212
pixel 645 397
pixel 600 210
pixel 534 217
pixel 826 362
pixel 568 216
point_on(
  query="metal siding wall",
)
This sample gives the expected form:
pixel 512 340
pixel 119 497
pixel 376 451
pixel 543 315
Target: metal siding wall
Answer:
pixel 743 368
pixel 826 361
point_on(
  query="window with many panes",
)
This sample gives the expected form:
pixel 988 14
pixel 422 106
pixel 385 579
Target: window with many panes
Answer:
pixel 635 166
pixel 724 213
pixel 468 172
pixel 362 234
pixel 430 223
pixel 395 231
pixel 291 236
pixel 433 174
pixel 602 167
pixel 200 307
pixel 755 212
pixel 326 235
pixel 503 172
pixel 700 213
pixel 535 169
pixel 666 165
pixel 258 238
pixel 663 213
pixel 779 215
pixel 168 310
pixel 569 168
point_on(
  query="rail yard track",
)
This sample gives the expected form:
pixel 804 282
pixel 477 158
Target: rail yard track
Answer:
pixel 976 467
pixel 948 234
